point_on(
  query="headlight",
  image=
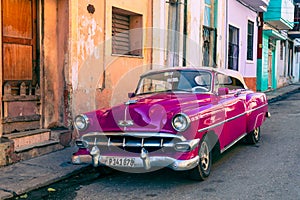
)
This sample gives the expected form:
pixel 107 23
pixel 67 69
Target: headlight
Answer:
pixel 181 122
pixel 81 122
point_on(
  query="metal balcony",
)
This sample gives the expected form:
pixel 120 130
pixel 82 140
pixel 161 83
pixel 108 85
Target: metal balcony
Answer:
pixel 280 14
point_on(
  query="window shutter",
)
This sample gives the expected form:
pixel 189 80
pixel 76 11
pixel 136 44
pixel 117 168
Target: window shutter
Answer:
pixel 120 34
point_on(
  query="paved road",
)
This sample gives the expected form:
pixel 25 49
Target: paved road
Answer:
pixel 268 170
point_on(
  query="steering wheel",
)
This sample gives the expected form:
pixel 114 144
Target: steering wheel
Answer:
pixel 200 89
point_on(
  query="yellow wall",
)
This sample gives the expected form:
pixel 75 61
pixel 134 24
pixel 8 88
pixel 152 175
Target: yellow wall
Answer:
pixel 91 56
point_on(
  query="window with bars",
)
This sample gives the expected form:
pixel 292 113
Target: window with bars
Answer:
pixel 127 34
pixel 250 38
pixel 233 48
pixel 207 48
pixel 208 35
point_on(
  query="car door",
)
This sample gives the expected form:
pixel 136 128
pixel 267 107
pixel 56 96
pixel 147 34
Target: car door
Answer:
pixel 233 102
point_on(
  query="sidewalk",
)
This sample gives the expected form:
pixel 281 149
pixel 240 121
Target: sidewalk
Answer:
pixel 31 174
pixel 41 171
pixel 276 94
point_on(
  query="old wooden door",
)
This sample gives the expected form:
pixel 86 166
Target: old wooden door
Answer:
pixel 20 67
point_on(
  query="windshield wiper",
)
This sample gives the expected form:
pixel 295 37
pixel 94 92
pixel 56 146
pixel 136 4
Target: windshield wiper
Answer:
pixel 178 89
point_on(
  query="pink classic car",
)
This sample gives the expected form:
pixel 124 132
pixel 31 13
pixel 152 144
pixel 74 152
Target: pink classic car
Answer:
pixel 178 118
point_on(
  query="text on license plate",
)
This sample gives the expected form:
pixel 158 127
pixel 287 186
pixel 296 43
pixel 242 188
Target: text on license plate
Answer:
pixel 120 162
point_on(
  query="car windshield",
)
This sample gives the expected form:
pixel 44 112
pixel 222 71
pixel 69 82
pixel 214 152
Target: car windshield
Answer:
pixel 197 81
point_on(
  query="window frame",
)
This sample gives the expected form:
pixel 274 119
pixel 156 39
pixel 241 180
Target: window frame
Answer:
pixel 233 48
pixel 250 40
pixel 127 35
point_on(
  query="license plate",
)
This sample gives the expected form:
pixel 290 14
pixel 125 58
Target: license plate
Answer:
pixel 120 162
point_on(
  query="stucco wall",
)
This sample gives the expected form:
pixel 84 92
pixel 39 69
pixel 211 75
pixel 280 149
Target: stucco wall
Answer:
pixel 240 20
pixel 50 72
pixel 98 78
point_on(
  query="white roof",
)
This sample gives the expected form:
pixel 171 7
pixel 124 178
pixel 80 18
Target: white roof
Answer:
pixel 228 72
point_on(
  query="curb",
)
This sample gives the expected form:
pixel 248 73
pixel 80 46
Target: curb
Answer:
pixel 4 194
pixel 23 177
pixel 282 94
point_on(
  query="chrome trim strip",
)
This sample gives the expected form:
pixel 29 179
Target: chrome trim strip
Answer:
pixel 230 119
pixel 249 111
pixel 235 141
pixel 125 141
pixel 235 117
pixel 223 122
pixel 137 134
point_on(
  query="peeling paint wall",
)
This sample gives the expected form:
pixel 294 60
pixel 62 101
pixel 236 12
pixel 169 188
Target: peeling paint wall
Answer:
pixel 50 63
pixel 54 53
pixel 98 78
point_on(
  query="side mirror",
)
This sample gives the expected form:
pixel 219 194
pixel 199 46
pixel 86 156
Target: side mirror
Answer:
pixel 131 94
pixel 223 91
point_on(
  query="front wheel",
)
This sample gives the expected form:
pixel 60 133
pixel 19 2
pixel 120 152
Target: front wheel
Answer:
pixel 254 136
pixel 202 170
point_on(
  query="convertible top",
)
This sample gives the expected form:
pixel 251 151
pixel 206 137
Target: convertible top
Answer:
pixel 228 72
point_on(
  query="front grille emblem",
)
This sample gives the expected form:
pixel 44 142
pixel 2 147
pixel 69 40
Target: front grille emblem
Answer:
pixel 125 123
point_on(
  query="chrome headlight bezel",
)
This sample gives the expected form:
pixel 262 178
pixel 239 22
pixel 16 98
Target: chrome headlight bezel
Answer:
pixel 84 120
pixel 181 122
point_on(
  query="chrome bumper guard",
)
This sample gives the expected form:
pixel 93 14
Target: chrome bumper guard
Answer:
pixel 143 160
pixel 159 161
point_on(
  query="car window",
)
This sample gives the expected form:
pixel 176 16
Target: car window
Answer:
pixel 177 81
pixel 224 81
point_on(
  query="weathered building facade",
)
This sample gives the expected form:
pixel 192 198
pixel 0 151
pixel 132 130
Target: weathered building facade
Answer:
pixel 63 57
pixel 275 62
pixel 189 33
pixel 243 36
pixel 59 58
pixel 32 79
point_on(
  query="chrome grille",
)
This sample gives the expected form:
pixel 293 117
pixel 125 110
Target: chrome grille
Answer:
pixel 132 142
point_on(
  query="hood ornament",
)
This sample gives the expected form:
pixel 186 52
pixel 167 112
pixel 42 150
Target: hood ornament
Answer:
pixel 127 122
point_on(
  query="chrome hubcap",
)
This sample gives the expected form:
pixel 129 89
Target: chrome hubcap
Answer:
pixel 204 156
pixel 256 133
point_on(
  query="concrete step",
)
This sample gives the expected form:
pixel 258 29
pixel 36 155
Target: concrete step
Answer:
pixel 30 144
pixel 29 138
pixel 37 149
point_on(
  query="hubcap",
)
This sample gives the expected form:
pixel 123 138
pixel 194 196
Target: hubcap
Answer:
pixel 256 133
pixel 204 156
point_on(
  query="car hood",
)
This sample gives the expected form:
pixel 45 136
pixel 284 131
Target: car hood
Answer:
pixel 147 113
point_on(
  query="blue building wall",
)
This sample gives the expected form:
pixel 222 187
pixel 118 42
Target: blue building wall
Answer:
pixel 262 66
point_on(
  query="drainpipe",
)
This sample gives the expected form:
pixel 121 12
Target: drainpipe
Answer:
pixel 226 35
pixel 173 34
pixel 184 33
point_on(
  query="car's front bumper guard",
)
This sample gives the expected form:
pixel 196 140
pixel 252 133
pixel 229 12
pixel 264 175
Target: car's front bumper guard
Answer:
pixel 144 161
pixel 147 162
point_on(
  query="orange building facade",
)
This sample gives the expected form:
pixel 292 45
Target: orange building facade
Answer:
pixel 60 58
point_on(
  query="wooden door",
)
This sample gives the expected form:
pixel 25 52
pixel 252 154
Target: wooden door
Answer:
pixel 20 77
pixel 19 41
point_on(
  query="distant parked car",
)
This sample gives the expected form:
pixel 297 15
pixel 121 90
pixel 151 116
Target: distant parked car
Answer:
pixel 177 118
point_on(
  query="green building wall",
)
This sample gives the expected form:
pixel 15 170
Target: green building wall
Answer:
pixel 262 66
pixel 262 80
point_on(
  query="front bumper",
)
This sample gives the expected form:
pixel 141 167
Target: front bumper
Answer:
pixel 145 161
pixel 111 144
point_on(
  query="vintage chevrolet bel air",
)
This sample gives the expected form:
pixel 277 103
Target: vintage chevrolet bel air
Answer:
pixel 178 118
